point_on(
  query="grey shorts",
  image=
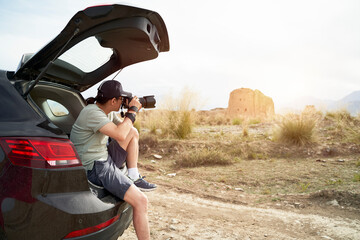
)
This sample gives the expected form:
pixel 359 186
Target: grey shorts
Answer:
pixel 107 173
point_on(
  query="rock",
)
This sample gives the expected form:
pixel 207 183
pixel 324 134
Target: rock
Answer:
pixel 175 221
pixel 341 160
pixel 333 203
pixel 172 227
pixel 171 175
pixel 297 205
pixel 157 156
pixel 326 237
pixel 144 148
pixel 249 103
pixel 239 189
pixel 329 151
pixel 153 161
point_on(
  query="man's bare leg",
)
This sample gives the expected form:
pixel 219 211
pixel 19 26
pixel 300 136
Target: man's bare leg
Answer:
pixel 139 202
pixel 131 146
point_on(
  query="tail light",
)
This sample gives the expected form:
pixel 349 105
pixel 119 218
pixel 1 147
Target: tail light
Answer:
pixel 40 152
pixel 89 230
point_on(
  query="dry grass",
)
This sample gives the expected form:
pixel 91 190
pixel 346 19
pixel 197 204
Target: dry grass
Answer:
pixel 212 118
pixel 343 126
pixel 237 121
pixel 296 129
pixel 175 116
pixel 203 157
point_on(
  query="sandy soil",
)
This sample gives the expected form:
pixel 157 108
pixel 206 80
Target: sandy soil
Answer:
pixel 176 214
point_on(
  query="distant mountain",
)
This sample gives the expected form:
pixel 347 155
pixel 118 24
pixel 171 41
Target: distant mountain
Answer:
pixel 352 97
pixel 350 102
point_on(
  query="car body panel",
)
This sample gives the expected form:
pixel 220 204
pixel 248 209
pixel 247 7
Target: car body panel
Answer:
pixel 18 118
pixel 40 220
pixel 134 35
pixel 49 204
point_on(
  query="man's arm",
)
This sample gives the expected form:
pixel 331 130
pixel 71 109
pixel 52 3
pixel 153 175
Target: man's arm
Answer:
pixel 119 132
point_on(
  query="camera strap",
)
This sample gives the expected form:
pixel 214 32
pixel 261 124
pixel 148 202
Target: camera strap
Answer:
pixel 122 114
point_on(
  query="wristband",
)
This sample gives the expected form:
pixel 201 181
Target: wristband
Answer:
pixel 134 108
pixel 131 116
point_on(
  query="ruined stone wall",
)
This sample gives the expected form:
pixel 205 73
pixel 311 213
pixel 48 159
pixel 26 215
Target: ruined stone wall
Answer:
pixel 244 102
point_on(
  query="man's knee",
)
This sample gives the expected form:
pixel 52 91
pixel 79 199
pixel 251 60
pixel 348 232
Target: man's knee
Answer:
pixel 137 199
pixel 135 133
pixel 142 202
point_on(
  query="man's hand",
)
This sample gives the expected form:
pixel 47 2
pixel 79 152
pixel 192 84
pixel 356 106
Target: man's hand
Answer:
pixel 135 102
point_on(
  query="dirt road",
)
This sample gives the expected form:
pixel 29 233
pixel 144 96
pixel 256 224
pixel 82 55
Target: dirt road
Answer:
pixel 177 215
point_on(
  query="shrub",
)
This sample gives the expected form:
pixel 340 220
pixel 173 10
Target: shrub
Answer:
pixel 356 177
pixel 204 157
pixel 245 131
pixel 303 187
pixel 172 122
pixel 254 121
pixel 334 182
pixel 148 140
pixel 152 120
pixel 296 130
pixel 236 121
pixel 178 119
pixel 184 127
pixel 345 127
pixel 340 115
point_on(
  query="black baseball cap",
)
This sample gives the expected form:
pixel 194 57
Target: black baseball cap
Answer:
pixel 112 89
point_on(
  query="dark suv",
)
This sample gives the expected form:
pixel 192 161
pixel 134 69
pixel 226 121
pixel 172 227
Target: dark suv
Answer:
pixel 44 192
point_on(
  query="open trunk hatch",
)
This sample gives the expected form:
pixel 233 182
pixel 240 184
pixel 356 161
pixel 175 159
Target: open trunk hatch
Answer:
pixel 126 34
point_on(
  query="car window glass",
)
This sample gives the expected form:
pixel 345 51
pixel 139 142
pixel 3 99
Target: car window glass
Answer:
pixel 87 55
pixel 57 109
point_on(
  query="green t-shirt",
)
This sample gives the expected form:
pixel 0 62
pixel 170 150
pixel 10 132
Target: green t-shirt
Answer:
pixel 89 142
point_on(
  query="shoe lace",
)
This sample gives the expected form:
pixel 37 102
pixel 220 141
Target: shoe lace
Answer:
pixel 142 177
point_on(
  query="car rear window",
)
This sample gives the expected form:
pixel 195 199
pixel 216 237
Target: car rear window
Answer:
pixel 13 107
pixel 87 55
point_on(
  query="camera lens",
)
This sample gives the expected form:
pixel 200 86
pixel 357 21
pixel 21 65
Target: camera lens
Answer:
pixel 148 101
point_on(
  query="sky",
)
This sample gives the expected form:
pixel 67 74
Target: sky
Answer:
pixel 286 49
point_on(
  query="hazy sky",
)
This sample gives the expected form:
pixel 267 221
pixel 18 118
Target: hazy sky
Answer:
pixel 286 49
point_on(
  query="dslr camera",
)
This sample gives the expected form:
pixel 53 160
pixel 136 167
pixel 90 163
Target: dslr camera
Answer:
pixel 146 101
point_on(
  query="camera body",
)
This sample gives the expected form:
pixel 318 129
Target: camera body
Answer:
pixel 146 101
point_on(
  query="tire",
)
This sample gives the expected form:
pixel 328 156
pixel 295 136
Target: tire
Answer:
pixel 2 234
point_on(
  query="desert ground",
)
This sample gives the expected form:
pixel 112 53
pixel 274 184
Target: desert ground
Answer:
pixel 267 190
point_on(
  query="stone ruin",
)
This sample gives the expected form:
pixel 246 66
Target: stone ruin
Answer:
pixel 245 102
